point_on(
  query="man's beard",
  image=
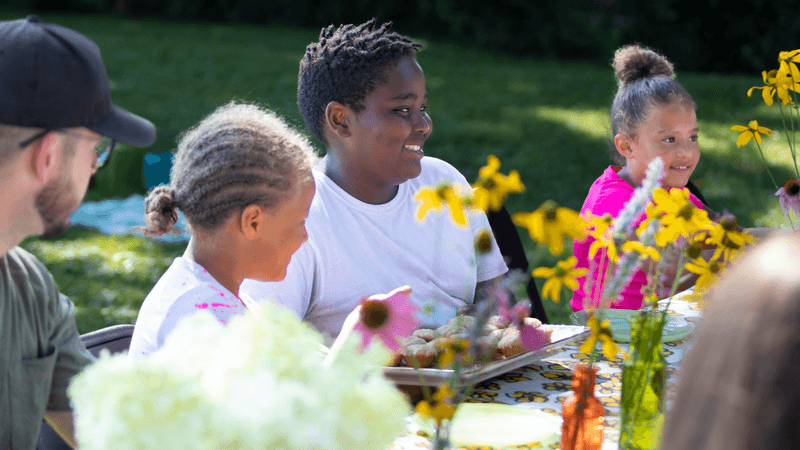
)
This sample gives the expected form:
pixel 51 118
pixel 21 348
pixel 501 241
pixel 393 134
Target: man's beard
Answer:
pixel 55 204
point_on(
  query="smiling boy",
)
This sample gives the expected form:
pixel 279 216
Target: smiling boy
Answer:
pixel 363 95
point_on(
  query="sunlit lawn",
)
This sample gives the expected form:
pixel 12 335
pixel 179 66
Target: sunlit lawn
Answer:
pixel 547 119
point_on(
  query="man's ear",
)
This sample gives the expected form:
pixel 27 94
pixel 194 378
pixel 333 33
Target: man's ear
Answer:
pixel 623 145
pixel 252 221
pixel 337 119
pixel 46 154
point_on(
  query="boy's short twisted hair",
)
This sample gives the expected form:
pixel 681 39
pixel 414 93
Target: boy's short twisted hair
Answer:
pixel 238 156
pixel 646 78
pixel 345 66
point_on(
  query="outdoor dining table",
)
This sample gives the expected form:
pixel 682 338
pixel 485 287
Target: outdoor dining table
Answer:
pixel 546 383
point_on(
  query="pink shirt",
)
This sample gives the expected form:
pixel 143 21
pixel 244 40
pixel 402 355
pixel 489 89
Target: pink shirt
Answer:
pixel 608 195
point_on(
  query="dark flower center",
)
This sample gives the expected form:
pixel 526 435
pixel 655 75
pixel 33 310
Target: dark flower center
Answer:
pixel 374 314
pixel 489 184
pixel 791 187
pixel 728 222
pixel 550 208
pixel 694 250
pixel 483 244
pixel 560 272
pixel 686 212
pixel 715 267
pixel 442 191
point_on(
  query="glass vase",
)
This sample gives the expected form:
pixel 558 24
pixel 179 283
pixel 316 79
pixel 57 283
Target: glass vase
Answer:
pixel 441 436
pixel 643 384
pixel 583 414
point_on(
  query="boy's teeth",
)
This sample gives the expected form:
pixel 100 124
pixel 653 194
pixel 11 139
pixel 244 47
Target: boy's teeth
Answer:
pixel 413 147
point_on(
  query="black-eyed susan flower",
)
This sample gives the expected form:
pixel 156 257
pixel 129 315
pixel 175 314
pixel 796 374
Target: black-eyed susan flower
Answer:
pixel 551 224
pixel 726 236
pixel 492 187
pixel 680 216
pixel 441 407
pixel 433 199
pixel 708 271
pixel 776 82
pixel 601 332
pixel 454 348
pixel 563 274
pixel 644 251
pixel 751 131
pixel 789 196
pixel 788 61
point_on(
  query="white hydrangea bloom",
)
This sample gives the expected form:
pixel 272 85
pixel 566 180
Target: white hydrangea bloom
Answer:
pixel 258 383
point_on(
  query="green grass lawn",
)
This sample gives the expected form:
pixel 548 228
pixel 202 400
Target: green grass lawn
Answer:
pixel 547 119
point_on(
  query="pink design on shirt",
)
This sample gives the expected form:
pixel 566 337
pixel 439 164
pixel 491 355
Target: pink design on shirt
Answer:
pixel 224 305
pixel 201 305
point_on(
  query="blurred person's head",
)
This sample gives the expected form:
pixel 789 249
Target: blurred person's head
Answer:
pixel 243 171
pixel 738 387
pixel 57 124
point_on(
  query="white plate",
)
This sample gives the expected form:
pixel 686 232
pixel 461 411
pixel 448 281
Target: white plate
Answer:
pixel 498 426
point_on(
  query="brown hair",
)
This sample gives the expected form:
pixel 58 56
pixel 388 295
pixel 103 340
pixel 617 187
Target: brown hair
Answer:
pixel 739 386
pixel 646 79
pixel 238 156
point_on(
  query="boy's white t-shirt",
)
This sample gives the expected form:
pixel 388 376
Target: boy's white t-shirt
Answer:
pixel 356 249
pixel 185 288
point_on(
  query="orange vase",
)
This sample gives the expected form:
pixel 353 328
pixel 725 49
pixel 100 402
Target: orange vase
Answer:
pixel 584 416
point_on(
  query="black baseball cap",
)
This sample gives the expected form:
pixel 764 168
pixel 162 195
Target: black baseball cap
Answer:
pixel 53 77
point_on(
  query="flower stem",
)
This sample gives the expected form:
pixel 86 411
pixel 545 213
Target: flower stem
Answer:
pixel 767 167
pixel 788 139
pixel 347 329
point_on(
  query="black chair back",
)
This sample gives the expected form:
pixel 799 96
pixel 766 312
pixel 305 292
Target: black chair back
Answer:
pixel 505 233
pixel 115 339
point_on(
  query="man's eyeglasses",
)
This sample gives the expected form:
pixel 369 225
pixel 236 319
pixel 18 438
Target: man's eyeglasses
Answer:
pixel 103 148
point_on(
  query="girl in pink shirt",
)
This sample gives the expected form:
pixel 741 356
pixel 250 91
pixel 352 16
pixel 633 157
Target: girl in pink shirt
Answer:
pixel 652 116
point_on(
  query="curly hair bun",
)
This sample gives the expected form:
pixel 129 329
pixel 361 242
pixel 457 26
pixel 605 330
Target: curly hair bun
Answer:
pixel 160 211
pixel 633 62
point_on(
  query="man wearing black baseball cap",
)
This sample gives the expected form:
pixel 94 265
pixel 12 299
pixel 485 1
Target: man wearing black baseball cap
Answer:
pixel 57 127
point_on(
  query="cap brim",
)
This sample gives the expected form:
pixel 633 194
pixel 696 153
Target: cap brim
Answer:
pixel 127 128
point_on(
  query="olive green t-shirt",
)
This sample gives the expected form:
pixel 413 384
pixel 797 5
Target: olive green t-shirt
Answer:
pixel 40 349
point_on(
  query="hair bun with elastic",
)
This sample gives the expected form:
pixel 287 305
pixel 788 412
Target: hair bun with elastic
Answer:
pixel 633 63
pixel 160 210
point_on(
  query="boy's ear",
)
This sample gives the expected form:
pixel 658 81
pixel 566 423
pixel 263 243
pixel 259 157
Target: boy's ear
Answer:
pixel 45 156
pixel 251 221
pixel 337 119
pixel 623 145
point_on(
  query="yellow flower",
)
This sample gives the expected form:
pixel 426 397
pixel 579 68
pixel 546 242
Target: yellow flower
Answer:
pixel 777 81
pixel 551 224
pixel 562 275
pixel 606 243
pixel 441 407
pixel 429 198
pixel 788 68
pixel 726 237
pixel 708 271
pixel 602 333
pixel 492 187
pixel 644 251
pixel 751 131
pixel 452 348
pixel 680 216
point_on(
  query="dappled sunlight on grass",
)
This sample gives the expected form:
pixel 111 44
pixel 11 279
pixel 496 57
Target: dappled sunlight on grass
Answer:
pixel 106 277
pixel 594 123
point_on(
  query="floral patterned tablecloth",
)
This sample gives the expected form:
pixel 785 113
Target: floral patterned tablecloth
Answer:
pixel 546 384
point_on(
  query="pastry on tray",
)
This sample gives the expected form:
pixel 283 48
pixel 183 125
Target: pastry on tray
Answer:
pixel 499 338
